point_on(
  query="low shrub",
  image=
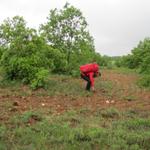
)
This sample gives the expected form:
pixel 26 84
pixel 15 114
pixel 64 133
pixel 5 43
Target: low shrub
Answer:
pixel 144 81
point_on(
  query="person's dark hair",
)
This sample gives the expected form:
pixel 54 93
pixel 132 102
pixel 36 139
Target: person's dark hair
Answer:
pixel 96 74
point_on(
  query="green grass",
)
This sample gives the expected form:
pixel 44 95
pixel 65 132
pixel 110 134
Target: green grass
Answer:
pixel 129 98
pixel 125 70
pixel 76 130
pixel 102 129
pixel 61 85
pixel 57 85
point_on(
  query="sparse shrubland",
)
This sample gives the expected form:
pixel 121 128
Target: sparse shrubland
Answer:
pixel 42 99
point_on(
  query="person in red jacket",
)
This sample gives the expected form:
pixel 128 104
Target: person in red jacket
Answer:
pixel 88 73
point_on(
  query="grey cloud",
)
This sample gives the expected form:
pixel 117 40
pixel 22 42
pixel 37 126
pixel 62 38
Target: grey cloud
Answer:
pixel 116 25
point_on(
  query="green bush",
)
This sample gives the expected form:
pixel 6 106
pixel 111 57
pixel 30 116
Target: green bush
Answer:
pixel 40 79
pixel 29 65
pixel 144 81
pixel 58 59
pixel 26 56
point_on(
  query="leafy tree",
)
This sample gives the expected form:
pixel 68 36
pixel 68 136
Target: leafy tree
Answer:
pixel 1 51
pixel 139 59
pixel 126 61
pixel 13 30
pixel 23 58
pixel 57 58
pixel 64 43
pixel 25 55
pixel 141 55
pixel 66 30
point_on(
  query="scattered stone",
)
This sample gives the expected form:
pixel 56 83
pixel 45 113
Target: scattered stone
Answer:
pixel 43 104
pixel 23 97
pixel 112 101
pixel 107 102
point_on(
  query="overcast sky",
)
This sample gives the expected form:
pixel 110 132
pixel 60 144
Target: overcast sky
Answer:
pixel 116 25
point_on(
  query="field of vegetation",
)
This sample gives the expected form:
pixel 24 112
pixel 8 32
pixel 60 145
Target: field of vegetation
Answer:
pixel 65 116
pixel 43 102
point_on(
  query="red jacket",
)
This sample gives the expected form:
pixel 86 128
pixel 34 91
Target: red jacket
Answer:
pixel 89 70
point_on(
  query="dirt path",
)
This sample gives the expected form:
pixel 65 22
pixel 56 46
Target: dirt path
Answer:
pixel 132 95
pixel 124 95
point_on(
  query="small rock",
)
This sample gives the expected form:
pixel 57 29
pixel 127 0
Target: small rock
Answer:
pixel 43 104
pixel 23 97
pixel 112 101
pixel 107 102
pixel 58 105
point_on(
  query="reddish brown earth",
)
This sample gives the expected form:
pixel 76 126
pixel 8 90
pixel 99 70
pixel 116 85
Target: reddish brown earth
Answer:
pixel 124 95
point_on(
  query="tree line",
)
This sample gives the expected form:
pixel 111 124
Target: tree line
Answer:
pixel 139 59
pixel 60 45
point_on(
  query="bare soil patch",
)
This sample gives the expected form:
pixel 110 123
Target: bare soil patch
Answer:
pixel 131 97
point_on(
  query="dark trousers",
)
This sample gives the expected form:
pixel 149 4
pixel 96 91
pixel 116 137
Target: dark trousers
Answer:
pixel 88 85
